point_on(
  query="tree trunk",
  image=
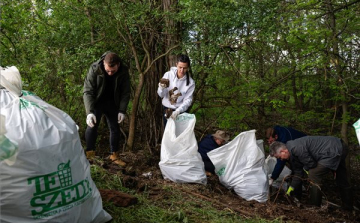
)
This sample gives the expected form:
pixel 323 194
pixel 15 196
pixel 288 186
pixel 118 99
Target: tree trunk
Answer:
pixel 172 27
pixel 336 60
pixel 130 141
pixel 147 109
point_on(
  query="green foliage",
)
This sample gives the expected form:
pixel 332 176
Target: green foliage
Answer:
pixel 255 63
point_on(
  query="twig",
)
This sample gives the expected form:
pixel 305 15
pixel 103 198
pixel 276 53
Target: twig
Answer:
pixel 290 176
pixel 247 214
pixel 122 131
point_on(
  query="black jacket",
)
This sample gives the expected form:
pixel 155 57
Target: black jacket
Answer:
pixel 94 86
pixel 308 151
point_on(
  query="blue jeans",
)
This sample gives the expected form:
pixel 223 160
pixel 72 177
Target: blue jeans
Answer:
pixel 91 134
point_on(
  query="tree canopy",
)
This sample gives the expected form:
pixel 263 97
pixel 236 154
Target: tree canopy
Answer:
pixel 255 63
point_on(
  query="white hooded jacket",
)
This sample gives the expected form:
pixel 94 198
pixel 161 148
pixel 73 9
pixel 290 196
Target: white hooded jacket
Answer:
pixel 182 97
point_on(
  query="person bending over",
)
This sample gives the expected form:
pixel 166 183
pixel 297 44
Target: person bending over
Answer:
pixel 209 143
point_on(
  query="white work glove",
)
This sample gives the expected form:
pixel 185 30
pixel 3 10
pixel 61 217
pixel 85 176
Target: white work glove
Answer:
pixel 162 86
pixel 91 120
pixel 121 117
pixel 175 114
pixel 271 181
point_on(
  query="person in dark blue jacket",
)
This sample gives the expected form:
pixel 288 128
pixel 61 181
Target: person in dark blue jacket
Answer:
pixel 281 134
pixel 209 143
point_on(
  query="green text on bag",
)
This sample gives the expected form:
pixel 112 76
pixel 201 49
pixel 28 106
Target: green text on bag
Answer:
pixel 55 192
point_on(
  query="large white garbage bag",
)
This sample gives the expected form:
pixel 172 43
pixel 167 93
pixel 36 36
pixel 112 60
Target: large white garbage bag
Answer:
pixel 260 144
pixel 48 179
pixel 357 129
pixel 270 163
pixel 8 148
pixel 240 166
pixel 180 161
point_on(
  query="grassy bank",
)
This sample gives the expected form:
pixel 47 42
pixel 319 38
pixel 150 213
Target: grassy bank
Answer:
pixel 171 205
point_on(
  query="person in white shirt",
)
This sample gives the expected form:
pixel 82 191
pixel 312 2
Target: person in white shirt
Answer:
pixel 176 88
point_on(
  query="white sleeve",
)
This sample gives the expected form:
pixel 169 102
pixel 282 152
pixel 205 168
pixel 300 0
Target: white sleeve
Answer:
pixel 187 99
pixel 163 91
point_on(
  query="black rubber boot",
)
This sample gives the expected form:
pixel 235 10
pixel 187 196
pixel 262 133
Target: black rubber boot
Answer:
pixel 315 196
pixel 347 199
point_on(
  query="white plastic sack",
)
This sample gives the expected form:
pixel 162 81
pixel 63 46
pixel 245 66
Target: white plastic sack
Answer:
pixel 8 148
pixel 260 144
pixel 11 80
pixel 270 163
pixel 240 166
pixel 49 180
pixel 357 129
pixel 180 161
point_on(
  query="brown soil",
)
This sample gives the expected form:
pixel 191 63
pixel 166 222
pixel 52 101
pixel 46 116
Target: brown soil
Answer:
pixel 118 198
pixel 143 174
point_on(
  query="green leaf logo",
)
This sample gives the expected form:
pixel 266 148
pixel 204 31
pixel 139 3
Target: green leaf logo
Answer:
pixel 27 104
pixel 357 125
pixel 221 171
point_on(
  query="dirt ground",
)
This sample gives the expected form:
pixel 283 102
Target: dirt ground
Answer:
pixel 143 172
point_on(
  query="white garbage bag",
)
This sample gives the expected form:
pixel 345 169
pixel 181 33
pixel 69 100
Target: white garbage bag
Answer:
pixel 260 144
pixel 240 166
pixel 357 129
pixel 270 163
pixel 49 180
pixel 180 161
pixel 8 148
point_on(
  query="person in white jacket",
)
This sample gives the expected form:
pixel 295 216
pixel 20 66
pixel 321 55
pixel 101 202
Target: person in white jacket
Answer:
pixel 176 88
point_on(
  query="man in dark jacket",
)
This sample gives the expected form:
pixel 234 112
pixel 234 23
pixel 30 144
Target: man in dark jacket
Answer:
pixel 280 134
pixel 209 143
pixel 106 92
pixel 316 156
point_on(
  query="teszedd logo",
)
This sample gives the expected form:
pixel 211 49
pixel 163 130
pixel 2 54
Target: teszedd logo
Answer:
pixel 221 171
pixel 55 192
